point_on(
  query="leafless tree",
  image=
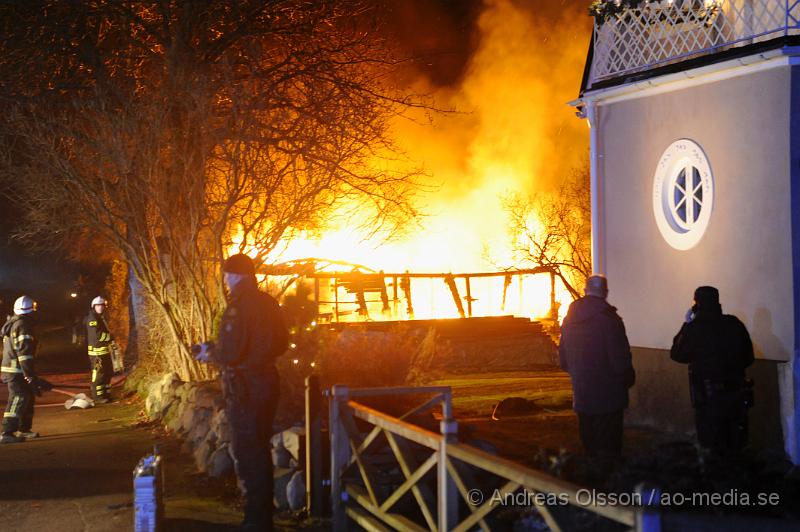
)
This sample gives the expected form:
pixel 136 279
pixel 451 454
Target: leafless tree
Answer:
pixel 555 230
pixel 166 127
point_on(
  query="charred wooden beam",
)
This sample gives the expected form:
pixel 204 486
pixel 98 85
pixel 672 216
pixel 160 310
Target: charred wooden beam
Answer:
pixel 405 284
pixel 451 283
pixel 506 284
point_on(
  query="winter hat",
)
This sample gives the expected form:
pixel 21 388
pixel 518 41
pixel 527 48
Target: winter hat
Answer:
pixel 596 285
pixel 706 297
pixel 239 264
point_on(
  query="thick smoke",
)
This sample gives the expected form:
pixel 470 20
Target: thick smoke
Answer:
pixel 518 65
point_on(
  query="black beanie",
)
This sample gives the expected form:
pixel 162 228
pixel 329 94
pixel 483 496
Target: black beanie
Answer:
pixel 240 264
pixel 706 297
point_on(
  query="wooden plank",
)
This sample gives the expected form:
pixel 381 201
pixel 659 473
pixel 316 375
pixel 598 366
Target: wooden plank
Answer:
pixel 365 521
pixel 391 424
pixel 536 480
pixel 548 517
pixel 424 500
pixel 396 521
pixel 462 489
pixel 485 508
pixel 352 432
pixel 426 466
pixel 433 401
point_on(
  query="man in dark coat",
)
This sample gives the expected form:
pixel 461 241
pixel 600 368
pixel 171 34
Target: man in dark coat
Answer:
pixel 252 334
pixel 594 350
pixel 717 348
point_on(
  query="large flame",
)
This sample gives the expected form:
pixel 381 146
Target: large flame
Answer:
pixel 518 137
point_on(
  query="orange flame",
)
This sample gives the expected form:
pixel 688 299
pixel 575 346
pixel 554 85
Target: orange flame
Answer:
pixel 519 136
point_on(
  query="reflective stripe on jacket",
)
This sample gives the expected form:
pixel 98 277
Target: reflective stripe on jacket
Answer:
pixel 98 337
pixel 19 346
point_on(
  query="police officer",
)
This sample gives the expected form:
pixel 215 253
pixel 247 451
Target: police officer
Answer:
pixel 252 333
pixel 594 350
pixel 717 348
pixel 99 339
pixel 19 348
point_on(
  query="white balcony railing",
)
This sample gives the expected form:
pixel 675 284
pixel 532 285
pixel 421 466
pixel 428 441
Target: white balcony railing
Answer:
pixel 662 32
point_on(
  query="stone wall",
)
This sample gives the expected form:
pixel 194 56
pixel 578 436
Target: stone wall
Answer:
pixel 195 412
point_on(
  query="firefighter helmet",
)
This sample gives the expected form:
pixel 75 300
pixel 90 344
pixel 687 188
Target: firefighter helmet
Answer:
pixel 99 300
pixel 24 305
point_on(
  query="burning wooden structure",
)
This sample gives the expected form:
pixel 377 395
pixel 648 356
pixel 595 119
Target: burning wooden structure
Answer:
pixel 361 294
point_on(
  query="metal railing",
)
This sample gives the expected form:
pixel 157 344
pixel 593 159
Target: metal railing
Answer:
pixel 658 33
pixel 360 498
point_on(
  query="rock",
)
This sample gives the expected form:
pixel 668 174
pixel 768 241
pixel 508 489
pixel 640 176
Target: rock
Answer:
pixel 296 491
pixel 281 478
pixel 170 383
pixel 220 463
pixel 220 427
pixel 201 456
pixel 514 406
pixel 205 398
pixel 277 441
pixel 281 458
pixel 294 441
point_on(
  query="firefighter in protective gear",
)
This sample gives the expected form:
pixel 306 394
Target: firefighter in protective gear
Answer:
pixel 99 342
pixel 19 348
pixel 252 334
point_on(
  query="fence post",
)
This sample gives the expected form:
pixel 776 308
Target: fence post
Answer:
pixel 313 447
pixel 340 456
pixel 448 494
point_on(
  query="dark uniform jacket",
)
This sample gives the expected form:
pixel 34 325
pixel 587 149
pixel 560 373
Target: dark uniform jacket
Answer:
pixel 19 348
pixel 594 350
pixel 98 338
pixel 252 332
pixel 716 346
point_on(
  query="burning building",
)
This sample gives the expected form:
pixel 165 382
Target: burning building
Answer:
pixel 695 162
pixel 510 134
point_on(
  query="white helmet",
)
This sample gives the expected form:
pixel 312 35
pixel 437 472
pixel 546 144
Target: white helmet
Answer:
pixel 99 300
pixel 24 305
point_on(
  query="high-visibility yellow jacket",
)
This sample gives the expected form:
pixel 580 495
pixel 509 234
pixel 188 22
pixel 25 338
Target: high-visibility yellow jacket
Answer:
pixel 98 337
pixel 19 347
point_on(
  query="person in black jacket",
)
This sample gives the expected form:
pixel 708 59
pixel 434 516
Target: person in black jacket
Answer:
pixel 717 348
pixel 252 334
pixel 19 348
pixel 594 350
pixel 98 340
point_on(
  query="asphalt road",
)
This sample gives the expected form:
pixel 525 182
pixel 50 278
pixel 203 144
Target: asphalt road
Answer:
pixel 78 475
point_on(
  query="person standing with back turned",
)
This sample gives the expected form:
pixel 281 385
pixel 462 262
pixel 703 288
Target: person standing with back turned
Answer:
pixel 252 334
pixel 717 348
pixel 594 350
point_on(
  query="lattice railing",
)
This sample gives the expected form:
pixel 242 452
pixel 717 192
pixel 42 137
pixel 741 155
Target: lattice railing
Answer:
pixel 669 31
pixel 395 475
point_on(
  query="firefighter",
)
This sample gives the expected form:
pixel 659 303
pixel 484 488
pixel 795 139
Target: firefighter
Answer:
pixel 594 350
pixel 99 340
pixel 19 348
pixel 252 334
pixel 717 348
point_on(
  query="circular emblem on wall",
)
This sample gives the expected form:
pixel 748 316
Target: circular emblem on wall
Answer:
pixel 683 194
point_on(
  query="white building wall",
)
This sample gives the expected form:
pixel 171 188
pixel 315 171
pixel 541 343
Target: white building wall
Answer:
pixel 740 115
pixel 743 126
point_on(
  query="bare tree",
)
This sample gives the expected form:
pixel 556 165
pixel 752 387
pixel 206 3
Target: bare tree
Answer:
pixel 555 230
pixel 167 127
